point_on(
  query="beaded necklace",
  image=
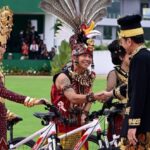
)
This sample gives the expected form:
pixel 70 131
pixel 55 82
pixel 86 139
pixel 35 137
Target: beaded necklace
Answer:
pixel 82 82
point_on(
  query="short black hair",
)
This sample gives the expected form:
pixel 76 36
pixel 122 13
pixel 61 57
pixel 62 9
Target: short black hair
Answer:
pixel 138 39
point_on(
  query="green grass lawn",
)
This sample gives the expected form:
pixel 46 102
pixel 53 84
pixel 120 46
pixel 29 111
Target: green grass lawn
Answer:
pixel 37 86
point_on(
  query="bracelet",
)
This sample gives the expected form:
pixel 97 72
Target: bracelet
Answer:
pixel 27 99
pixel 90 97
pixel 117 94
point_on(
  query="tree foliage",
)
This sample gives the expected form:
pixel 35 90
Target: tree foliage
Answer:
pixel 61 58
pixel 57 26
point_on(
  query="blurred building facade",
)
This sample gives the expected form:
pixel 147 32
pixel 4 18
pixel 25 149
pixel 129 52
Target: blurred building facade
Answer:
pixel 108 26
pixel 25 10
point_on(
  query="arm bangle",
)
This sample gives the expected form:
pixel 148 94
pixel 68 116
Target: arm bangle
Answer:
pixel 90 97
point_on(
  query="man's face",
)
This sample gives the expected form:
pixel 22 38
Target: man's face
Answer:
pixel 126 44
pixel 84 60
pixel 2 51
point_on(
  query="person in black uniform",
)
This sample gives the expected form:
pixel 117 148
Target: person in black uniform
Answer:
pixel 136 128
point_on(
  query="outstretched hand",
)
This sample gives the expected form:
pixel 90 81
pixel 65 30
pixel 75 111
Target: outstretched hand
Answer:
pixel 30 102
pixel 103 96
pixel 99 95
pixel 41 101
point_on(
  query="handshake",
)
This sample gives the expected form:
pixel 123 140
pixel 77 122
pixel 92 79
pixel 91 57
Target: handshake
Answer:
pixel 103 96
pixel 119 92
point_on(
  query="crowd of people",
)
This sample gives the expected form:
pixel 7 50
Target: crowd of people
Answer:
pixel 32 46
pixel 72 87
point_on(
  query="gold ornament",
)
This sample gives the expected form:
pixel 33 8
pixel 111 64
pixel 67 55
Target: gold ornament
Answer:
pixel 6 23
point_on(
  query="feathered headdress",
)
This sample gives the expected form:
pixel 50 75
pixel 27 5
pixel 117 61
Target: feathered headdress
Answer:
pixel 6 23
pixel 81 16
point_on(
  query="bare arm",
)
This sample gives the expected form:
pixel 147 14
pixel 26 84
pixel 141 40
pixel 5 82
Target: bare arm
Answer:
pixel 111 80
pixel 87 106
pixel 111 84
pixel 63 83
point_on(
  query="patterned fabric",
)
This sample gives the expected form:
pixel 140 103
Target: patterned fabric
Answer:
pixel 69 142
pixel 81 84
pixel 122 76
pixel 81 47
pixel 4 93
pixel 143 143
pixel 116 121
pixel 6 23
pixel 3 122
pixel 59 100
pixel 120 92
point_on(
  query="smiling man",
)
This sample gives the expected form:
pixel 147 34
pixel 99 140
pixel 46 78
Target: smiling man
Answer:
pixel 72 88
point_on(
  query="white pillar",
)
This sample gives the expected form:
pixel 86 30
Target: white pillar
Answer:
pixel 49 31
pixel 102 36
pixel 114 33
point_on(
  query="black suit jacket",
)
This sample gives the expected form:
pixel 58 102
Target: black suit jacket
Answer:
pixel 139 91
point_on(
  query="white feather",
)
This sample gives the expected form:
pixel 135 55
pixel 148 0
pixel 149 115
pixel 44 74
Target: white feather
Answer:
pixel 94 33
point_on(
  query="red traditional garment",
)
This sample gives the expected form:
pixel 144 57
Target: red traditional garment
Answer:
pixel 11 96
pixel 66 107
pixel 116 129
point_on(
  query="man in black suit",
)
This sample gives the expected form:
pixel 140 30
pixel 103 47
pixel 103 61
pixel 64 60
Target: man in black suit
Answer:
pixel 136 128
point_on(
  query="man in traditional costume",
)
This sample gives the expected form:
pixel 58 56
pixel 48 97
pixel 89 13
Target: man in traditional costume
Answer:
pixel 72 88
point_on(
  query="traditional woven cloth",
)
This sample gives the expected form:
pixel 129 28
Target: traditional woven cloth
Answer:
pixel 143 143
